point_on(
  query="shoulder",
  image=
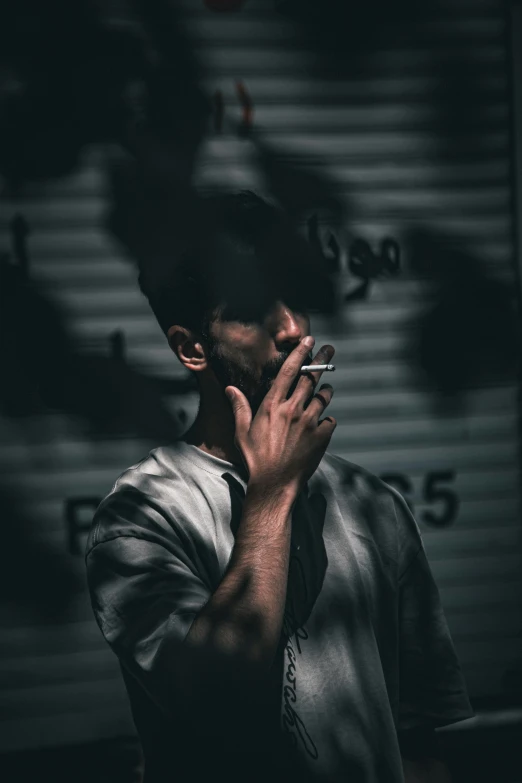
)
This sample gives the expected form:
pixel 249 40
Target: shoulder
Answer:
pixel 147 500
pixel 357 483
pixel 340 470
pixel 375 506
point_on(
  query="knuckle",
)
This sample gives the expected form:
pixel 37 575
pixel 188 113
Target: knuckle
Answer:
pixel 292 404
pixel 295 414
pixel 268 405
pixel 319 403
pixel 323 398
pixel 327 387
pixel 330 424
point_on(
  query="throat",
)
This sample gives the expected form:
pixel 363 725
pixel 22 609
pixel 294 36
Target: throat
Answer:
pixel 227 451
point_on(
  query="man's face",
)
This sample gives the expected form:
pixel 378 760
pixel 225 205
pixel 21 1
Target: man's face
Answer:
pixel 250 355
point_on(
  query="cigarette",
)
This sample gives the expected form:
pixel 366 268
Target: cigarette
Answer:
pixel 316 367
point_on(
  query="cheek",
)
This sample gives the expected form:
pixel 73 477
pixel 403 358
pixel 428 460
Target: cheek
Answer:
pixel 245 344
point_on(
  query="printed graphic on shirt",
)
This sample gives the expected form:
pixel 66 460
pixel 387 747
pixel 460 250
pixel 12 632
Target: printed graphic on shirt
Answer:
pixel 297 605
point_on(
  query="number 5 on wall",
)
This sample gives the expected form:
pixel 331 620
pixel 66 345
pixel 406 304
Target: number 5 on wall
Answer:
pixel 433 493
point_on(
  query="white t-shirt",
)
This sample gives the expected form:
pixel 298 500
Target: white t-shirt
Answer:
pixel 366 651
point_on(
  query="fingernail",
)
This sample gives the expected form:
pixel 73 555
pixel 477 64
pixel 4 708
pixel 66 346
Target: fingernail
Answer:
pixel 309 341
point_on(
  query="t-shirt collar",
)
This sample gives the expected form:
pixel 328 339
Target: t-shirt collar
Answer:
pixel 209 462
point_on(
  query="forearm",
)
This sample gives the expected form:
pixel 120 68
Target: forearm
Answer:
pixel 243 619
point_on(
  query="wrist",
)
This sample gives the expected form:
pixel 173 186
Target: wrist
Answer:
pixel 264 491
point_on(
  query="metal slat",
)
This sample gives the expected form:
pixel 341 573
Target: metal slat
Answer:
pixel 479 624
pixel 373 88
pixel 456 543
pixel 485 681
pixel 34 671
pixel 271 60
pixel 474 515
pixel 409 459
pixel 498 652
pixel 272 29
pixel 472 569
pixel 451 8
pixel 356 119
pixel 61 699
pixel 80 725
pixel 76 610
pixel 374 144
pixel 53 639
pixel 379 173
pixel 490 596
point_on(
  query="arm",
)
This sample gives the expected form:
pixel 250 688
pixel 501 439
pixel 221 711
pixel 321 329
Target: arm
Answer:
pixel 199 655
pixel 233 640
pixel 242 620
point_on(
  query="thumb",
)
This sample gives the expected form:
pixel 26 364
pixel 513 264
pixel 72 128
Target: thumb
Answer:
pixel 241 410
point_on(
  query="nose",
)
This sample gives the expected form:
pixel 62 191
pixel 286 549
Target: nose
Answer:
pixel 287 327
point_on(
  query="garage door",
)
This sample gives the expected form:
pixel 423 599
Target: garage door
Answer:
pixel 411 167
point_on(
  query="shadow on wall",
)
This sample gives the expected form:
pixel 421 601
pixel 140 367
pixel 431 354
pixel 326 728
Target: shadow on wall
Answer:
pixel 469 337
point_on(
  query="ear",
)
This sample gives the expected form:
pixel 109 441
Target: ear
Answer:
pixel 188 347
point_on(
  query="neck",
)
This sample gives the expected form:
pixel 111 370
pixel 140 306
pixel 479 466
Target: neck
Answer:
pixel 213 429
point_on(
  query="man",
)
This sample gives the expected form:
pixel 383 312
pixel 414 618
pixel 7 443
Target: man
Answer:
pixel 270 603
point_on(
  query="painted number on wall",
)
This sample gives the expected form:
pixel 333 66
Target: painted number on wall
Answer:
pixel 436 489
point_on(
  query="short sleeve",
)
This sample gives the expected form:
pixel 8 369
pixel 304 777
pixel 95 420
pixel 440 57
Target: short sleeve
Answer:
pixel 432 689
pixel 145 592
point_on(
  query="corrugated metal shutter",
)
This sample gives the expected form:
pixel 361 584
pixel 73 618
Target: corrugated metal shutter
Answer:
pixel 377 135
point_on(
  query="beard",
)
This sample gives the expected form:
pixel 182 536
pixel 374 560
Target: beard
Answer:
pixel 246 378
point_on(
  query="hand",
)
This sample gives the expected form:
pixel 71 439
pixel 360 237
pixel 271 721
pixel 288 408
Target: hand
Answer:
pixel 284 443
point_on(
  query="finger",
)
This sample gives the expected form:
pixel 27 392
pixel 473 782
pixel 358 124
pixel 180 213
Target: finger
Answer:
pixel 289 371
pixel 241 410
pixel 327 426
pixel 309 379
pixel 320 400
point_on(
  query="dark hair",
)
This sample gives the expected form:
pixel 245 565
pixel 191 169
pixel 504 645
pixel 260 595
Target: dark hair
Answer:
pixel 177 296
pixel 241 255
pixel 211 275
